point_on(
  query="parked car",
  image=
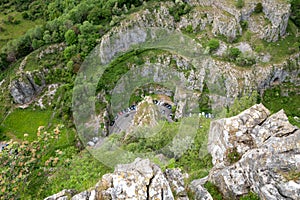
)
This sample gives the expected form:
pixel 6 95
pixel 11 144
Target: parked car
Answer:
pixel 133 107
pixel 112 123
pixel 155 101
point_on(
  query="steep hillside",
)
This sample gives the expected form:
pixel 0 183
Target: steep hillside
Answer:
pixel 117 79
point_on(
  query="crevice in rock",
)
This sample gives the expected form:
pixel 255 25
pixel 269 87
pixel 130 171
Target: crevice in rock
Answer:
pixel 267 138
pixel 18 87
pixel 148 187
pixel 286 134
pixel 283 195
pixel 261 123
pixel 287 151
pixel 32 84
pixel 162 194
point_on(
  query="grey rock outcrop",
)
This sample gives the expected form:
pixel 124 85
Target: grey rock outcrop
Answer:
pixel 176 181
pixel 27 87
pixel 147 115
pixel 269 149
pixel 138 180
pixel 199 191
pixel 278 12
pixel 62 195
pixel 226 25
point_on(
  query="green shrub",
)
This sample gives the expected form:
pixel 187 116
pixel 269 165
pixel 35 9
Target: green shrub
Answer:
pixel 233 53
pixel 213 190
pixel 240 3
pixel 275 100
pixel 70 51
pixel 244 24
pixel 243 103
pixel 213 44
pixel 79 173
pixel 233 155
pixel 189 29
pixel 245 60
pixel 25 15
pixel 3 137
pixel 70 37
pixel 2 29
pixel 27 163
pixel 178 10
pixel 295 8
pixel 258 8
pixel 250 196
pixel 259 48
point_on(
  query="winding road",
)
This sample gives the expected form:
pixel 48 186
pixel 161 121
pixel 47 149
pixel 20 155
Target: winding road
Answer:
pixel 123 121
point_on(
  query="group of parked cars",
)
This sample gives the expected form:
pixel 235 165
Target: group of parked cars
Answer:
pixel 126 110
pixel 161 103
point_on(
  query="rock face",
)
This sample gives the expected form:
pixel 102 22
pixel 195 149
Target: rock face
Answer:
pixel 219 17
pixel 146 115
pixel 268 147
pixel 27 86
pixel 278 12
pixel 199 191
pixel 226 25
pixel 138 180
pixel 269 24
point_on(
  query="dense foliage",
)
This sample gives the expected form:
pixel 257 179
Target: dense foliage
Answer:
pixel 295 15
pixel 25 164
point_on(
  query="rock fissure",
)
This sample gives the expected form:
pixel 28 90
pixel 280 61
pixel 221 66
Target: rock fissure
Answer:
pixel 148 187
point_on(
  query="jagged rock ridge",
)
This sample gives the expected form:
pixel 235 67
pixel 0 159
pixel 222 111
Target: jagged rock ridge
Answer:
pixel 269 148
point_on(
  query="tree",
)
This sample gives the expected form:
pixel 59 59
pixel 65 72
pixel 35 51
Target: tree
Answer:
pixel 243 103
pixel 295 14
pixel 70 37
pixel 3 61
pixel 258 8
pixel 37 43
pixel 213 44
pixel 36 33
pixel 47 37
pixel 70 51
pixel 234 53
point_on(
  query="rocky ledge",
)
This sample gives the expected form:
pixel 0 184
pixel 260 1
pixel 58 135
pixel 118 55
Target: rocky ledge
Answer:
pixel 138 180
pixel 258 152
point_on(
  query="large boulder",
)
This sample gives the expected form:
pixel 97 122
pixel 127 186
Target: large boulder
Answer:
pixel 27 86
pixel 197 188
pixel 268 151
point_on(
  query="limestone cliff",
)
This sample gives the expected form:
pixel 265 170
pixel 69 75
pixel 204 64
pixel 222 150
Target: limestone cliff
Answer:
pixel 138 180
pixel 267 148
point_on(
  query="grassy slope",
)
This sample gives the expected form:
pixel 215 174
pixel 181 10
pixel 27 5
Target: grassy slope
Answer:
pixel 27 121
pixel 12 31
